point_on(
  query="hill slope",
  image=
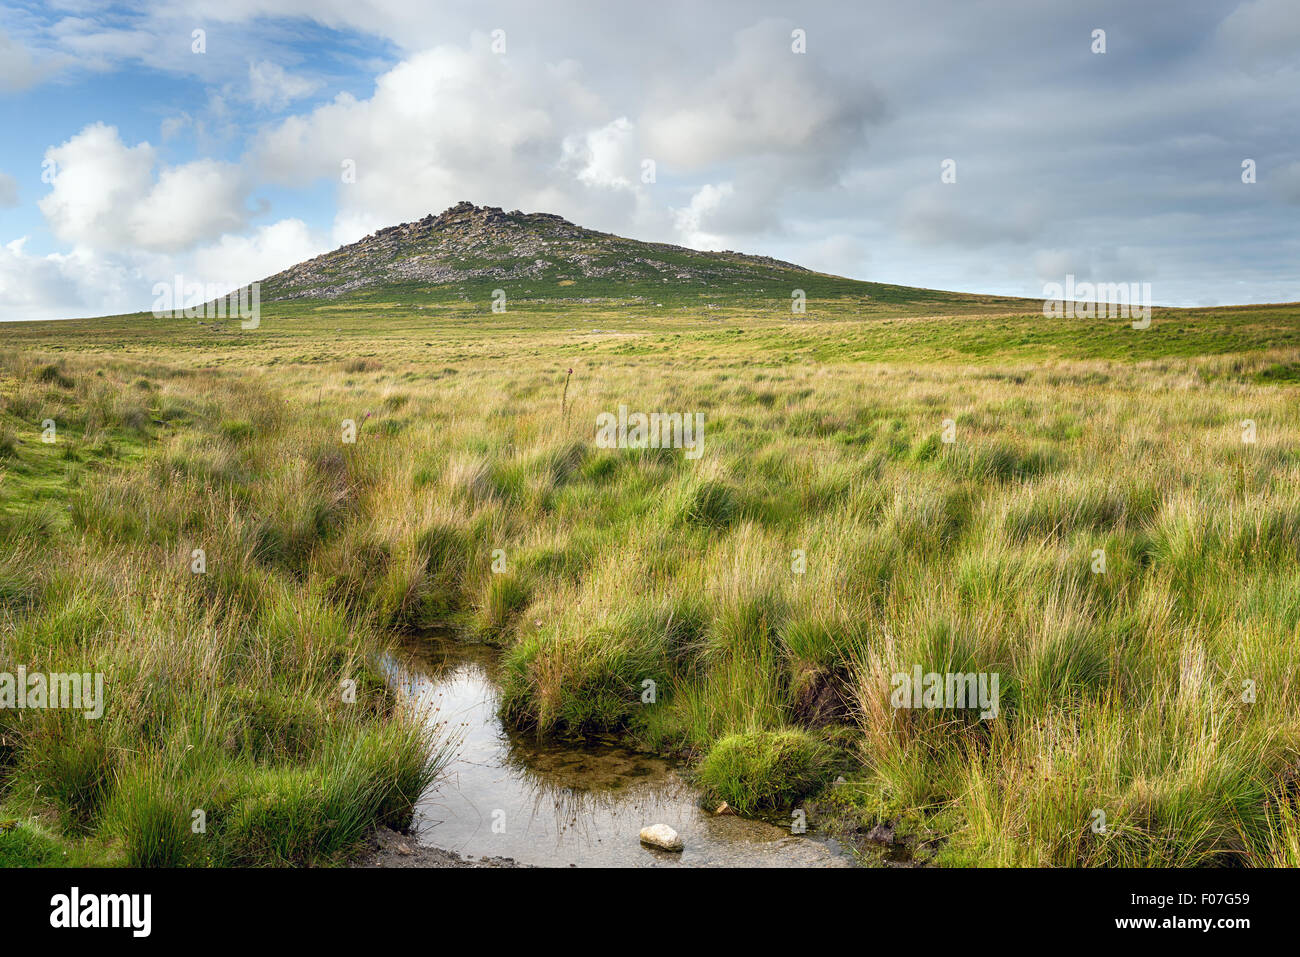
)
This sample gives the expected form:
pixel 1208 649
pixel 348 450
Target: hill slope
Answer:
pixel 468 249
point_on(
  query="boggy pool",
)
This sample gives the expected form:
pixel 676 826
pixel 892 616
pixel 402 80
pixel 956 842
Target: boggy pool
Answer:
pixel 551 803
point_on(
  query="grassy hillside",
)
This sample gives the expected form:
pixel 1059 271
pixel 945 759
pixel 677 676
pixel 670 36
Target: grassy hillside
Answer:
pixel 1122 691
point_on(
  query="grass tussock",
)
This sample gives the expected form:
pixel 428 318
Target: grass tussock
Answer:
pixel 764 769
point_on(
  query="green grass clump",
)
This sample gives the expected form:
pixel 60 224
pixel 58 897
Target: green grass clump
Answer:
pixel 754 770
pixel 53 375
pixel 507 596
pixel 708 504
pixel 29 844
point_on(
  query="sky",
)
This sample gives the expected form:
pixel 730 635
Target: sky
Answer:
pixel 975 145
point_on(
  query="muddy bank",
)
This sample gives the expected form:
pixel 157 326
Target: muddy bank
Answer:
pixel 387 848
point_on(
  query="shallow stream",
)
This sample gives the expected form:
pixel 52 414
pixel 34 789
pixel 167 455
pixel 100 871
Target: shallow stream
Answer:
pixel 544 802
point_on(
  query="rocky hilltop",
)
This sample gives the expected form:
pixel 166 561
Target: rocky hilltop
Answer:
pixel 478 244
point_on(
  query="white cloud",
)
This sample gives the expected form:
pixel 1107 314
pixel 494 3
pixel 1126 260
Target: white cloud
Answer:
pixel 172 126
pixel 271 88
pixel 189 203
pixel 234 261
pixel 693 221
pixel 97 181
pixel 105 196
pixel 60 286
pixel 8 191
pixel 19 69
pixel 605 157
pixel 451 124
pixel 90 282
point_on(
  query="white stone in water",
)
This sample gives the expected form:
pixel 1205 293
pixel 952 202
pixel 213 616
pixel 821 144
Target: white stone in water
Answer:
pixel 661 836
